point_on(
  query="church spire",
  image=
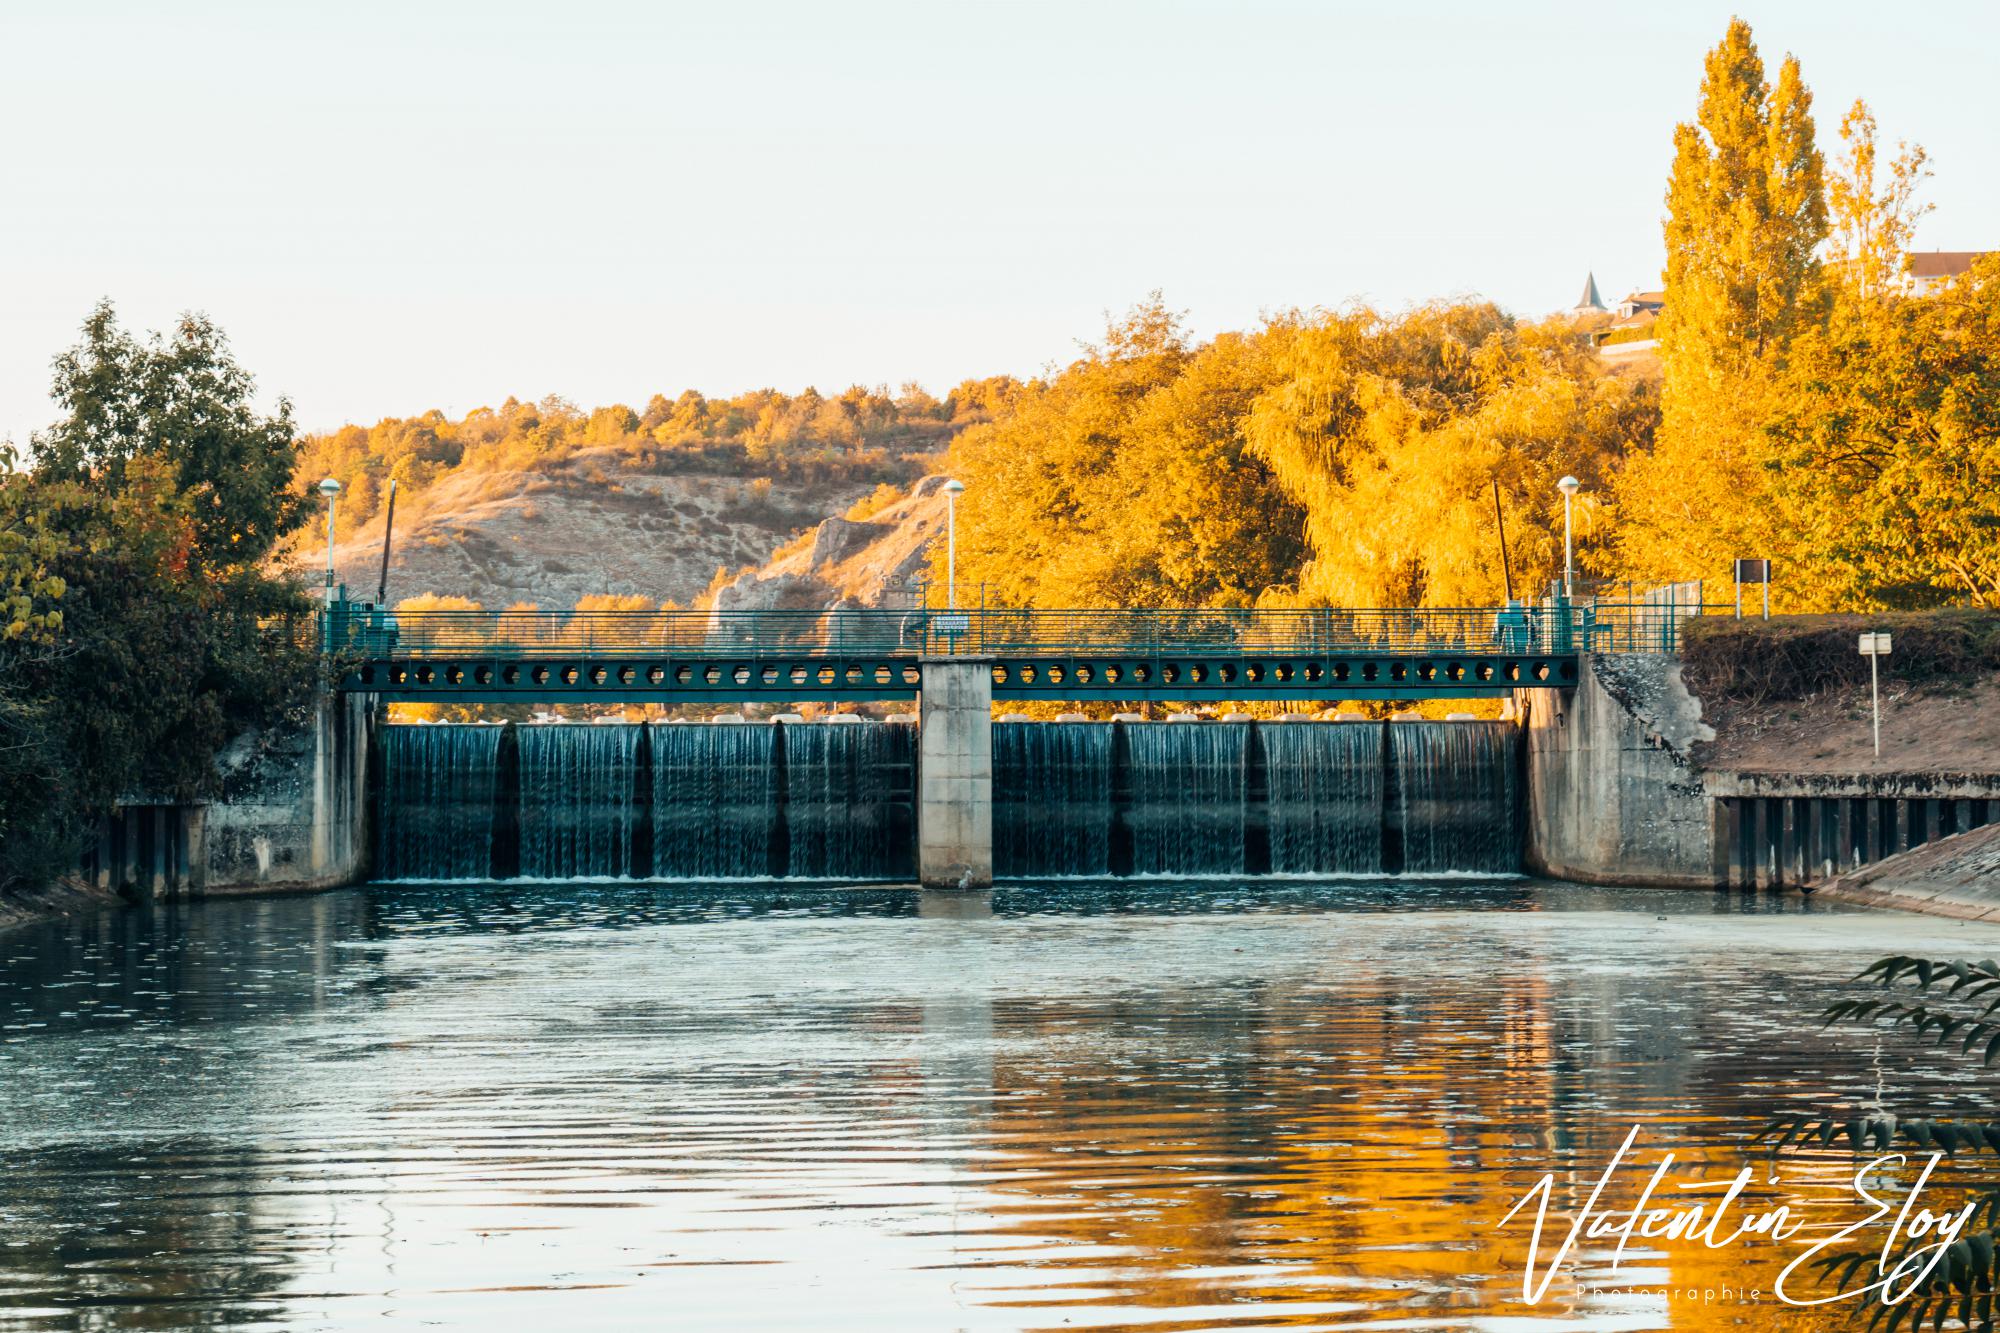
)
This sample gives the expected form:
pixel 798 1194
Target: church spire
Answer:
pixel 1590 303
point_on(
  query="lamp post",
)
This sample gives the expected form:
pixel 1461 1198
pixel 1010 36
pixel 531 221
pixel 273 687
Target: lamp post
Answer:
pixel 952 490
pixel 1569 486
pixel 331 490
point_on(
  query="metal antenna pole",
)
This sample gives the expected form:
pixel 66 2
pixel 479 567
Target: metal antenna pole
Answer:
pixel 1500 518
pixel 388 529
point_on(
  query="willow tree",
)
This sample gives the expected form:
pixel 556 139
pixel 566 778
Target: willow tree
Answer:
pixel 1392 432
pixel 1746 213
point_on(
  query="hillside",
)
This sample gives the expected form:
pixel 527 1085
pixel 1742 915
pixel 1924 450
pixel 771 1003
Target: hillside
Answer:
pixel 551 536
pixel 845 562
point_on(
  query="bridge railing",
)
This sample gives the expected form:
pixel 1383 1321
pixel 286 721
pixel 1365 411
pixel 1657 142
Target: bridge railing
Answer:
pixel 1553 627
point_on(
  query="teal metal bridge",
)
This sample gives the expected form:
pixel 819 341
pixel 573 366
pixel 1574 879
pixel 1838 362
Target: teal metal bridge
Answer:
pixel 1208 654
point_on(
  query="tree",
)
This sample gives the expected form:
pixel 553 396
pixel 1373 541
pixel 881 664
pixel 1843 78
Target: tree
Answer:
pixel 1746 212
pixel 184 401
pixel 1885 451
pixel 1126 479
pixel 171 640
pixel 1391 433
pixel 1874 216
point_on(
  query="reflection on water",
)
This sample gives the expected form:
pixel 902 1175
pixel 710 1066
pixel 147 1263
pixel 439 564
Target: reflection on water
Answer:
pixel 1125 1106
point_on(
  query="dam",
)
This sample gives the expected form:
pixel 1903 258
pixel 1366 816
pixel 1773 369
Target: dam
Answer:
pixel 707 801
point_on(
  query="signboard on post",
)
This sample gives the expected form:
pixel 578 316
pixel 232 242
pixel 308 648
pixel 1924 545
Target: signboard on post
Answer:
pixel 1875 647
pixel 1753 571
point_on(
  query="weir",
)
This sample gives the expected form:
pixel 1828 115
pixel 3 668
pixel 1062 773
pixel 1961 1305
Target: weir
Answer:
pixel 844 802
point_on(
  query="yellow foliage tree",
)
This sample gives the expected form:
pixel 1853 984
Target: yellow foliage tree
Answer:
pixel 1746 212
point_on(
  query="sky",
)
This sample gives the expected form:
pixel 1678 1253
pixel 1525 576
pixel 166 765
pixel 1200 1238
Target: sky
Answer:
pixel 399 206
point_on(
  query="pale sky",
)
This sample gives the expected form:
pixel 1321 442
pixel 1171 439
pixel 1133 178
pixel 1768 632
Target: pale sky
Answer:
pixel 398 206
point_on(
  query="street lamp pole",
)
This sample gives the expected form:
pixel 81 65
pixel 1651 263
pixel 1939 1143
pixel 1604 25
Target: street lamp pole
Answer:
pixel 1569 486
pixel 330 488
pixel 952 490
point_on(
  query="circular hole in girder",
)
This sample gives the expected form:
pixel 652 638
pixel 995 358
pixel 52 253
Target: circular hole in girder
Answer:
pixel 1084 675
pixel 711 675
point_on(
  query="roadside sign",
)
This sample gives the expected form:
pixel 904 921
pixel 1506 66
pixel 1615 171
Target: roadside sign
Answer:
pixel 1875 647
pixel 1758 571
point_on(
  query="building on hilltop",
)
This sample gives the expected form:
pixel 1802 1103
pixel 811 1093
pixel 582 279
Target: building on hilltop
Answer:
pixel 1629 332
pixel 1642 305
pixel 1928 268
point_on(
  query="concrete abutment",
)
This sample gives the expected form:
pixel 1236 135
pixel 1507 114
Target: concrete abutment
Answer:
pixel 955 774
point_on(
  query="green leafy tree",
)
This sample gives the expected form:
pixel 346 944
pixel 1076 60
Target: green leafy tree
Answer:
pixel 153 636
pixel 184 401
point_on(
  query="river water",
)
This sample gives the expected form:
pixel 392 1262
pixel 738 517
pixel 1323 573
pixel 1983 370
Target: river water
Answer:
pixel 1144 1106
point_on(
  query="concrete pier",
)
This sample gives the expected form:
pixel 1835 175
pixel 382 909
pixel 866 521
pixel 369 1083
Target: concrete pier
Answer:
pixel 955 774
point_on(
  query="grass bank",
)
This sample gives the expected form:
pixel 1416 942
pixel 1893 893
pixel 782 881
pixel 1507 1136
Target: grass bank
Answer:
pixel 1798 657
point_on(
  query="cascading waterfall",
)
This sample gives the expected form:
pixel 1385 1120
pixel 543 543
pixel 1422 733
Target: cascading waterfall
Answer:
pixel 849 791
pixel 1052 802
pixel 1188 798
pixel 578 805
pixel 829 801
pixel 715 801
pixel 439 786
pixel 1457 796
pixel 1325 785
